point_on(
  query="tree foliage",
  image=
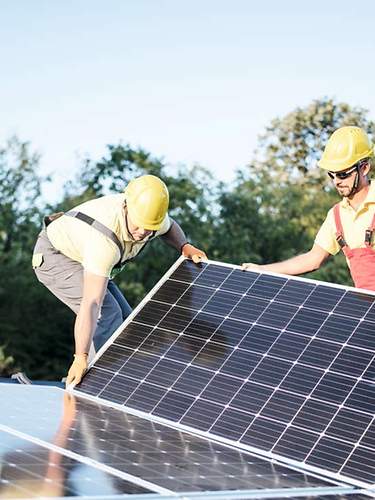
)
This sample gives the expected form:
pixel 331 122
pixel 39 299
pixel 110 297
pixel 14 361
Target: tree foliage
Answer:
pixel 272 211
pixel 34 325
pixel 20 189
pixel 286 194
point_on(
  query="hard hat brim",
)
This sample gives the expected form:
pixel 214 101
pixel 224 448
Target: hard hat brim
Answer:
pixel 340 165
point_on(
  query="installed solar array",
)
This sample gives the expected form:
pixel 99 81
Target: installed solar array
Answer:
pixel 285 366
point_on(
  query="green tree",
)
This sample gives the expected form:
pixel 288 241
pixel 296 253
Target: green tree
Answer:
pixel 285 194
pixel 20 191
pixel 30 317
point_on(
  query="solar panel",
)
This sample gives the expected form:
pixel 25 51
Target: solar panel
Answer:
pixel 281 365
pixel 88 448
pixel 29 470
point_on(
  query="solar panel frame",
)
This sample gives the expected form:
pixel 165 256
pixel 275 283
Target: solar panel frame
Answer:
pixel 339 291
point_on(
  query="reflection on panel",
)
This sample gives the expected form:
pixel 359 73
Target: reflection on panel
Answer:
pixel 28 470
pixel 163 456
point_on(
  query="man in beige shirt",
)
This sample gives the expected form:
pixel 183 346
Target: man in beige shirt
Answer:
pixel 79 251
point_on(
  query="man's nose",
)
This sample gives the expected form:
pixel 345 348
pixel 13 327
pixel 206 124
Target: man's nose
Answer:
pixel 337 181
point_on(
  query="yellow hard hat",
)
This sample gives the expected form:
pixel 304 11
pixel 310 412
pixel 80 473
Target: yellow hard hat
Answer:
pixel 345 147
pixel 147 201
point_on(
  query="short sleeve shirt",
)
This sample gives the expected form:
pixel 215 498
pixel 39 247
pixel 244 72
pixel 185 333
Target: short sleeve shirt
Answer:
pixel 354 223
pixel 85 244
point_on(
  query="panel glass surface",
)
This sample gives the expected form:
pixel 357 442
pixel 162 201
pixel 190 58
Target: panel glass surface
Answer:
pixel 283 365
pixel 163 456
pixel 28 470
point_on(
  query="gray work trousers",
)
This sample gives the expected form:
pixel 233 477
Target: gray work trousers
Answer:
pixel 64 278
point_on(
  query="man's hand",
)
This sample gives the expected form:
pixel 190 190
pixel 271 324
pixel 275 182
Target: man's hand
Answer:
pixel 77 370
pixel 249 266
pixel 193 253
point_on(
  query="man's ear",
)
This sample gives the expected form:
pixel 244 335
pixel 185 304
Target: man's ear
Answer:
pixel 367 168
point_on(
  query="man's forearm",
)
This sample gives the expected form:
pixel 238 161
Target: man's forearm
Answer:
pixel 84 327
pixel 296 265
pixel 175 236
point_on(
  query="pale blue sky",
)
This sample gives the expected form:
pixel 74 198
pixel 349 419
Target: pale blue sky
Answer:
pixel 193 82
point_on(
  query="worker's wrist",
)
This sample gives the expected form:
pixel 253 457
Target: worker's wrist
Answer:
pixel 80 355
pixel 182 246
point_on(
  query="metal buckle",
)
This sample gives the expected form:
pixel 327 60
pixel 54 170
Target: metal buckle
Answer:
pixel 341 241
pixel 368 236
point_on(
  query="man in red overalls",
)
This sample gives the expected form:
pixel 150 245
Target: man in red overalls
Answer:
pixel 349 225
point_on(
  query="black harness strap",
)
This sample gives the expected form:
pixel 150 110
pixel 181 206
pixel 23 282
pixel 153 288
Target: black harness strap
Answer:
pixel 99 227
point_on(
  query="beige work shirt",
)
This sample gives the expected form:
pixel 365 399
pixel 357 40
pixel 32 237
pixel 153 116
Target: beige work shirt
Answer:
pixel 85 244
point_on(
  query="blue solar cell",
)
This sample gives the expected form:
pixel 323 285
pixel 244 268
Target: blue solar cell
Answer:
pixel 282 406
pixel 330 453
pixel 295 443
pixel 349 425
pixel 315 415
pixel 263 433
pixel 201 414
pixel 319 353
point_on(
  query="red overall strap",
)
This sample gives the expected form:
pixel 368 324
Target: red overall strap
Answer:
pixel 339 230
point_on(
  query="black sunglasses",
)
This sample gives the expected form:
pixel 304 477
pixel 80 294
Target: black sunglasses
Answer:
pixel 343 175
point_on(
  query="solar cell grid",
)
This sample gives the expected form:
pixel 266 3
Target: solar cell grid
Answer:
pixel 103 451
pixel 370 315
pixel 276 358
pixel 364 336
pixel 288 346
pixel 30 471
pixel 232 424
pixel 296 443
pixel 193 381
pixel 119 389
pixel 348 425
pixel 337 328
pixel 369 436
pixel 321 454
pixel 315 415
pixel 282 406
pixel 354 304
pixel 324 298
pixel 193 417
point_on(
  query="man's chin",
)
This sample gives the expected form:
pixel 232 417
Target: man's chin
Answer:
pixel 343 192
